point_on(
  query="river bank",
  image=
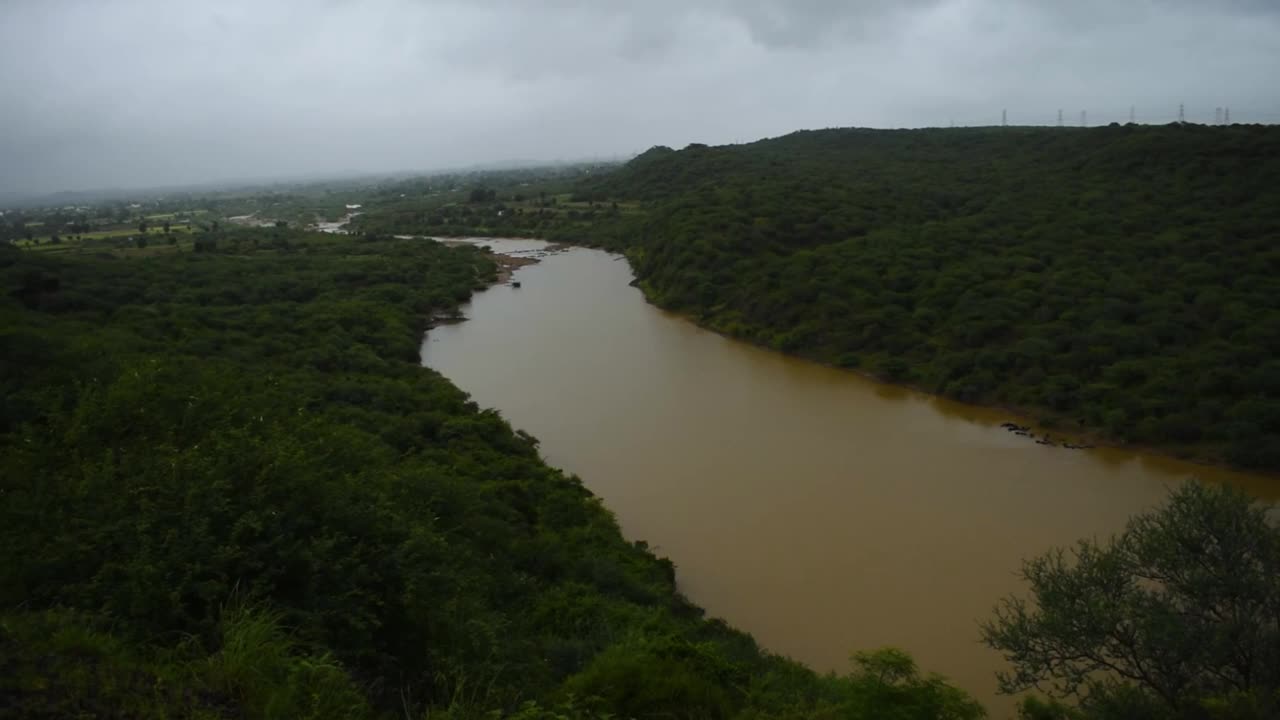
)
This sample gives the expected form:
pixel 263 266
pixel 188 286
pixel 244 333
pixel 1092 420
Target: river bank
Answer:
pixel 1039 423
pixel 819 510
pixel 507 262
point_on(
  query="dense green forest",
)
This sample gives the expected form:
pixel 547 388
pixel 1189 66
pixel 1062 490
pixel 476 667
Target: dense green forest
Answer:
pixel 230 490
pixel 1123 280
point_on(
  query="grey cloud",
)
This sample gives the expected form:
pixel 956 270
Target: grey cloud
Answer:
pixel 141 92
pixel 810 23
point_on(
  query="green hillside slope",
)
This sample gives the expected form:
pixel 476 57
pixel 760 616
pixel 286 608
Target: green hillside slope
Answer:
pixel 1124 280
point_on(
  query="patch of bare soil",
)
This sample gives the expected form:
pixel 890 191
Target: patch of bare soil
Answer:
pixel 507 264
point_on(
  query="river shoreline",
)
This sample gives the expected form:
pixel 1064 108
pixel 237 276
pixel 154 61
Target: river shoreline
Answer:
pixel 507 263
pixel 1025 417
pixel 784 491
pixel 1022 416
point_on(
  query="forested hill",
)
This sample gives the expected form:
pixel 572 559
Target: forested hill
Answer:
pixel 229 490
pixel 1122 279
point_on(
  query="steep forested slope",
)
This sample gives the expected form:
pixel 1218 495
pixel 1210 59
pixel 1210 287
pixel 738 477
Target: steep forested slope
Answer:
pixel 1120 279
pixel 227 489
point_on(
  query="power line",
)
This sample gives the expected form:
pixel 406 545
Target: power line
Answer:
pixel 1101 117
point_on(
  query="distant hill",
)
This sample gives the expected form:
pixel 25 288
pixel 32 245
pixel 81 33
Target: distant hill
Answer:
pixel 1121 279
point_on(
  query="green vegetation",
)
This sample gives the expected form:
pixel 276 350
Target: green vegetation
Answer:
pixel 1118 280
pixel 230 490
pixel 1175 618
pixel 538 202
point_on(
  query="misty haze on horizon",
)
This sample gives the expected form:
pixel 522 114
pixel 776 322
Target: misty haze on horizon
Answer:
pixel 149 93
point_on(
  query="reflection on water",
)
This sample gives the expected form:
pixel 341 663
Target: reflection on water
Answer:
pixel 820 511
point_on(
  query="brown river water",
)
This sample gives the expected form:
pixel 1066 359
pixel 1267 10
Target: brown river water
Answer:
pixel 818 510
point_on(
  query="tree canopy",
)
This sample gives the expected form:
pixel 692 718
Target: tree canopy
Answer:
pixel 1178 616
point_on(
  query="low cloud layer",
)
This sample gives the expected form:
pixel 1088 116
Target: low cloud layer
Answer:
pixel 121 93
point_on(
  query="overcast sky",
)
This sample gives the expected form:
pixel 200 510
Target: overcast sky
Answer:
pixel 126 93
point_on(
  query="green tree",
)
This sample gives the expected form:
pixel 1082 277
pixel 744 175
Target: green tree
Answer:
pixel 1178 615
pixel 888 685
